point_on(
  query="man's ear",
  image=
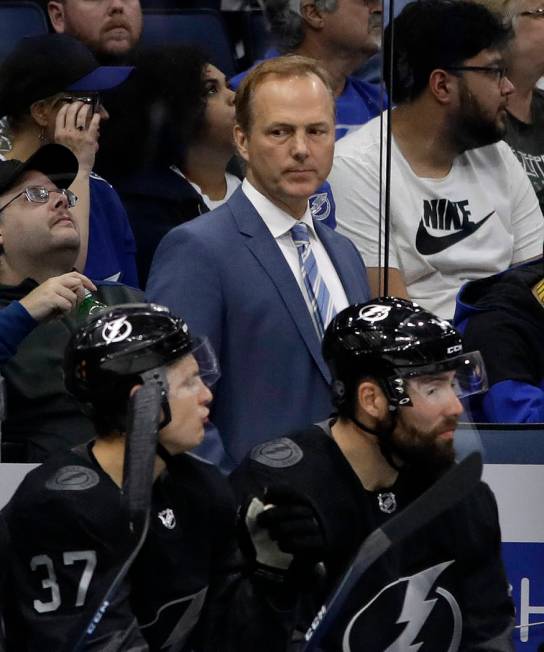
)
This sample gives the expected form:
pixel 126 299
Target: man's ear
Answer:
pixel 443 86
pixel 371 399
pixel 240 140
pixel 134 389
pixel 55 9
pixel 40 112
pixel 312 15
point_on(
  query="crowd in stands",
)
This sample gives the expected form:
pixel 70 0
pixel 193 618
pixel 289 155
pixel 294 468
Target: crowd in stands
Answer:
pixel 258 209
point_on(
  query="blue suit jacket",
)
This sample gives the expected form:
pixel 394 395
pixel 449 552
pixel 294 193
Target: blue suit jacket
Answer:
pixel 224 273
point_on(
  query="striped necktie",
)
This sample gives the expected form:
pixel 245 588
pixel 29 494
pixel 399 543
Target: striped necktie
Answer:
pixel 323 309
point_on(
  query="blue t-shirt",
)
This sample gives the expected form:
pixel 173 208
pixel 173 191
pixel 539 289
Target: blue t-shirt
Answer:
pixel 359 102
pixel 111 252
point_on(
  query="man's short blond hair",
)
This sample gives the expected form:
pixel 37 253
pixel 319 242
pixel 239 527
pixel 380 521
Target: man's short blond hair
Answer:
pixel 291 65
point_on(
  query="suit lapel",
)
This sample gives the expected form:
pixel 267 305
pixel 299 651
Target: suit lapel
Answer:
pixel 264 248
pixel 344 265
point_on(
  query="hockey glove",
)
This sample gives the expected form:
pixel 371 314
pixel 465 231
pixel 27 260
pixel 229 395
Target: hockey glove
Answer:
pixel 285 537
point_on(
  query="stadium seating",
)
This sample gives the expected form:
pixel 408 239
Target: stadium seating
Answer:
pixel 18 19
pixel 202 27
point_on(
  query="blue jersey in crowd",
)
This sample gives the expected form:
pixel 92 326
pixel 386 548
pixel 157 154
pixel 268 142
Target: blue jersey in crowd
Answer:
pixel 111 253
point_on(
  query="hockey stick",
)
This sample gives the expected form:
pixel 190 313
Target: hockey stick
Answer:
pixel 140 450
pixel 448 490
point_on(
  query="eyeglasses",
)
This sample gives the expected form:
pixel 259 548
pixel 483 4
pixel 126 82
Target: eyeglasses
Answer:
pixel 94 100
pixel 499 72
pixel 40 195
pixel 534 13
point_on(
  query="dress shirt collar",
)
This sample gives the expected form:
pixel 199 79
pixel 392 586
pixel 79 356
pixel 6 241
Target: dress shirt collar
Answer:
pixel 277 220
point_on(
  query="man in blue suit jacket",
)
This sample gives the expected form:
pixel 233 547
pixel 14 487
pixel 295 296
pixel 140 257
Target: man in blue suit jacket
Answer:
pixel 235 273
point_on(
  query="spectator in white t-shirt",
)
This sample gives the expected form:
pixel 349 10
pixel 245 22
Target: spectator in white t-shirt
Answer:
pixel 462 207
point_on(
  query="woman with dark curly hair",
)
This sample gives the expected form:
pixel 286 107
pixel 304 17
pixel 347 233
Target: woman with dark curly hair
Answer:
pixel 169 143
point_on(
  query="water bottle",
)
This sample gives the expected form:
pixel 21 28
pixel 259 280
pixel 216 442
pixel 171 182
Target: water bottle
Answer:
pixel 90 305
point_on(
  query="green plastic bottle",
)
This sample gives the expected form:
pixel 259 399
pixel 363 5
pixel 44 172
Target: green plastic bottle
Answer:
pixel 90 305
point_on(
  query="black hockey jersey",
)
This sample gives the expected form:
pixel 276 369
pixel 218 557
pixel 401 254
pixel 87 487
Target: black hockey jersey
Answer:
pixel 69 537
pixel 442 590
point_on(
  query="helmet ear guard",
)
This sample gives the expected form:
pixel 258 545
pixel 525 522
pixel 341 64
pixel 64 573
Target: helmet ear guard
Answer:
pixel 158 376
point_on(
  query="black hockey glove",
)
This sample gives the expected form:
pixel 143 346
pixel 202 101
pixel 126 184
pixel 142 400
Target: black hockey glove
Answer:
pixel 293 523
pixel 284 537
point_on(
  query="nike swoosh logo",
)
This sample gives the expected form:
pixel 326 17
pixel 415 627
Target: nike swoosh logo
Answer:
pixel 428 244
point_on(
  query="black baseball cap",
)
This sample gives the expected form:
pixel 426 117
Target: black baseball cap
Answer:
pixel 55 161
pixel 41 66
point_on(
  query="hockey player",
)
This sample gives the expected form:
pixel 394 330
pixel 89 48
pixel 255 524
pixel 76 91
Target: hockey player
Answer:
pixel 399 373
pixel 69 530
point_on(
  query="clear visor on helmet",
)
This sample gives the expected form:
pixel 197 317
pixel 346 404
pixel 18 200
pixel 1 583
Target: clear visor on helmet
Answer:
pixel 203 370
pixel 464 375
pixel 208 364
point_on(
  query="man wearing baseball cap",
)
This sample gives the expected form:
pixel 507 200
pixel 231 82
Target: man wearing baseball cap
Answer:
pixel 39 240
pixel 49 91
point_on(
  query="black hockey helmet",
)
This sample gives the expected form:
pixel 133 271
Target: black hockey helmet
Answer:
pixel 393 339
pixel 114 348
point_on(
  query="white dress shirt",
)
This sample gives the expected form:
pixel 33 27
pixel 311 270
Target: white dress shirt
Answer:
pixel 279 224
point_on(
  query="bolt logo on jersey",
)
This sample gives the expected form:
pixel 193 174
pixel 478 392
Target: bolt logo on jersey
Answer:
pixel 278 453
pixel 116 330
pixel 412 614
pixel 451 218
pixel 73 478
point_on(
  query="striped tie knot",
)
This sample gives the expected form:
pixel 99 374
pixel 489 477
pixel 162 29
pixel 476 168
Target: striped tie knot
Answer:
pixel 299 233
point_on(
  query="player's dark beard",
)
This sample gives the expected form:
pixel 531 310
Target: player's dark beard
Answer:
pixel 424 450
pixel 471 128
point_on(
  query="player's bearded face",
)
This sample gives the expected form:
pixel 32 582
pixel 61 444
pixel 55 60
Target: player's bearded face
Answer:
pixel 428 447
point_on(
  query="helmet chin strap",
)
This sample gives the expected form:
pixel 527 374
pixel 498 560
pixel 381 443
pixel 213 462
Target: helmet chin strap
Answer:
pixel 385 438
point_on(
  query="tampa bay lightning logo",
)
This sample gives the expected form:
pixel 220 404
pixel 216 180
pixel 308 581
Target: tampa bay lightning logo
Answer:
pixel 116 330
pixel 320 206
pixel 424 617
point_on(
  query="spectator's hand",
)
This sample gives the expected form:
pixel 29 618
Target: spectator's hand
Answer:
pixel 57 295
pixel 77 130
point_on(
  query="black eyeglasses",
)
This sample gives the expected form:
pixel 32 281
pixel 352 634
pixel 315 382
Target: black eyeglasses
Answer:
pixel 40 195
pixel 93 100
pixel 499 72
pixel 534 13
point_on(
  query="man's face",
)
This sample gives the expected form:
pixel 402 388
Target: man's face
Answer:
pixel 290 144
pixel 189 398
pixel 31 232
pixel 480 117
pixel 424 431
pixel 110 28
pixel 355 27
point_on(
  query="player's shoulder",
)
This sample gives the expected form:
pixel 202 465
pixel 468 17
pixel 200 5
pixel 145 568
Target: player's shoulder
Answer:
pixel 297 458
pixel 64 482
